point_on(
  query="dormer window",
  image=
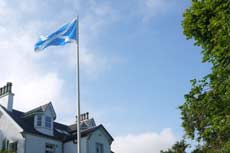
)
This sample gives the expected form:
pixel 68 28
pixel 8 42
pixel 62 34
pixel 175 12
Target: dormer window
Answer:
pixel 44 117
pixel 39 120
pixel 99 148
pixel 48 122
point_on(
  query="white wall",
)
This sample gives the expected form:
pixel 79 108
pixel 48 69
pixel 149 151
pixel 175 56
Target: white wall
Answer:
pixel 70 147
pixel 88 144
pixel 98 137
pixel 10 130
pixel 36 144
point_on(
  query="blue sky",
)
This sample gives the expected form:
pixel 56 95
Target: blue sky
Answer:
pixel 135 64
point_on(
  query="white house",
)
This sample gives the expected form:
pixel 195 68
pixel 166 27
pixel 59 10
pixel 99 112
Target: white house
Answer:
pixel 36 131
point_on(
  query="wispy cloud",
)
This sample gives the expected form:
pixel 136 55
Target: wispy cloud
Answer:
pixel 149 9
pixel 34 76
pixel 149 142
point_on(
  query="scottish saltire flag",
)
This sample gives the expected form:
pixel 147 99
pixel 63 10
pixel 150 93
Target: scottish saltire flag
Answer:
pixel 66 34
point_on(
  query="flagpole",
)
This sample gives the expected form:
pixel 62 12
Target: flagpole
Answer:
pixel 78 90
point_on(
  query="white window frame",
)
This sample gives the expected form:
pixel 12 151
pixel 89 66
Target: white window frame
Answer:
pixel 48 123
pixel 39 120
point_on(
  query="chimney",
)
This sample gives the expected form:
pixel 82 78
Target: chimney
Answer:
pixel 6 96
pixel 84 116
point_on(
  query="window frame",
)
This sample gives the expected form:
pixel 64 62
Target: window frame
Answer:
pixel 50 148
pixel 48 123
pixel 10 146
pixel 101 146
pixel 39 121
pixel 13 147
pixel 5 144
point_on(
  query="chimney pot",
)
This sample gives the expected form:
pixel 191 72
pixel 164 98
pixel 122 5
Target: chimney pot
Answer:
pixel 9 87
pixel 5 89
pixel 6 96
pixel 82 117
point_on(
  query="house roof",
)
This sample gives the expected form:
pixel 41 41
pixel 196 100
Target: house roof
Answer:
pixel 87 132
pixel 84 123
pixel 40 109
pixel 61 132
pixel 37 109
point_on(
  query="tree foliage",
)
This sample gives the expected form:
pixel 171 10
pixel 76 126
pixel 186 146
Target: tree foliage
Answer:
pixel 5 151
pixel 206 111
pixel 178 147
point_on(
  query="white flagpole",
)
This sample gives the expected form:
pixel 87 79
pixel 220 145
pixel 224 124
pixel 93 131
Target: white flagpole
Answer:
pixel 78 92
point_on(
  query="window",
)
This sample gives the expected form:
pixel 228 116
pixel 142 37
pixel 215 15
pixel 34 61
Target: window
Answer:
pixel 5 144
pixel 39 120
pixel 48 122
pixel 99 148
pixel 13 147
pixel 50 148
pixel 1 114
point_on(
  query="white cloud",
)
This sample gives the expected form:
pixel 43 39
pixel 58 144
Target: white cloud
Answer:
pixel 35 81
pixel 151 8
pixel 144 143
pixel 33 85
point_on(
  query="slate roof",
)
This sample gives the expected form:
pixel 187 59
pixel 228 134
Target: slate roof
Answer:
pixel 39 109
pixel 27 124
pixel 86 132
pixel 84 124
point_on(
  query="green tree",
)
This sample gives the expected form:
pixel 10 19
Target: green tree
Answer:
pixel 206 111
pixel 178 147
pixel 5 151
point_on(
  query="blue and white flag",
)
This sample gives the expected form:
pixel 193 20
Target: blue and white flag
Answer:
pixel 66 34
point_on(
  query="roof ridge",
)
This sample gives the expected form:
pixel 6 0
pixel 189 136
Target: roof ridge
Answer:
pixel 37 109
